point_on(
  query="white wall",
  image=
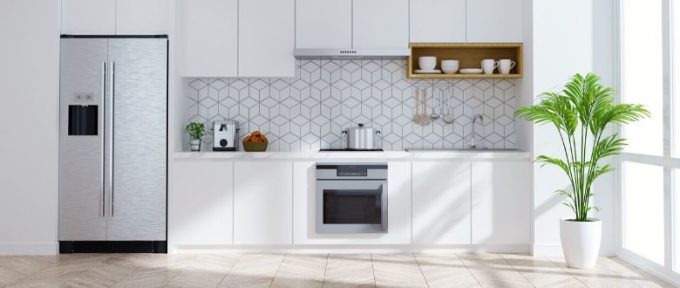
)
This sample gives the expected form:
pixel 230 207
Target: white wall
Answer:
pixel 29 90
pixel 568 37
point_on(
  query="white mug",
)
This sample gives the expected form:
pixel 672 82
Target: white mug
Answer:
pixel 489 65
pixel 505 65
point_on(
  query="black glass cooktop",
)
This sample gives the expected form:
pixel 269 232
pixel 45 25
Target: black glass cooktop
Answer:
pixel 350 150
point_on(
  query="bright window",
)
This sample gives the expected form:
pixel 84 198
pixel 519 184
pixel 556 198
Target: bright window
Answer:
pixel 675 72
pixel 676 218
pixel 643 210
pixel 642 72
pixel 646 60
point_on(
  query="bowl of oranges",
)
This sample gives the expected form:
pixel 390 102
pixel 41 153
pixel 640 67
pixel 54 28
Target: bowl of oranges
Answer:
pixel 255 142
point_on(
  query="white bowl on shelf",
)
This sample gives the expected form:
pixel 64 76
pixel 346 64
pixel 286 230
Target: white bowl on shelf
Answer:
pixel 450 70
pixel 427 62
pixel 450 63
pixel 450 66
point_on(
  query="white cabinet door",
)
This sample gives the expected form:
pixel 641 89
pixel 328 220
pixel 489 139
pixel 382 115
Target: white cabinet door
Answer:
pixel 200 205
pixel 142 17
pixel 501 202
pixel 494 21
pixel 207 34
pixel 88 17
pixel 263 203
pixel 399 208
pixel 323 24
pixel 438 21
pixel 380 24
pixel 266 38
pixel 441 202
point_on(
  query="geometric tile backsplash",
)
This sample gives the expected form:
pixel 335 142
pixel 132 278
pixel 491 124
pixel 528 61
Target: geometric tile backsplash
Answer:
pixel 327 96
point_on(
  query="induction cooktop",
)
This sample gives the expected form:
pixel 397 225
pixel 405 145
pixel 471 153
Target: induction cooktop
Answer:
pixel 351 150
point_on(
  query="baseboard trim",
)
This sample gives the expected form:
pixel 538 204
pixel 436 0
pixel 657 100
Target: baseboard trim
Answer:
pixel 67 247
pixel 349 249
pixel 38 248
pixel 555 250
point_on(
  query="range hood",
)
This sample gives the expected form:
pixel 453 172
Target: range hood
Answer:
pixel 351 53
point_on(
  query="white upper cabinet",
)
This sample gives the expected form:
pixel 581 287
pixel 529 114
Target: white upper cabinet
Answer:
pixel 323 24
pixel 145 17
pixel 266 38
pixel 501 197
pixel 438 21
pixel 494 21
pixel 380 24
pixel 441 202
pixel 88 17
pixel 207 31
pixel 263 203
pixel 111 17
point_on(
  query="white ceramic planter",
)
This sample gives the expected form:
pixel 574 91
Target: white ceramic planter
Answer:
pixel 195 145
pixel 581 242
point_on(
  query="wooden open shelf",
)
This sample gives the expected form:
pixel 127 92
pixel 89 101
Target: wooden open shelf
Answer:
pixel 470 55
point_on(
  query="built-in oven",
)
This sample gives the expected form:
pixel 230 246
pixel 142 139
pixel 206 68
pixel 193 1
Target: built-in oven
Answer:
pixel 351 198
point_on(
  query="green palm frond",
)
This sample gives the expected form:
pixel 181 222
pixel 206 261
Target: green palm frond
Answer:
pixel 608 146
pixel 545 160
pixel 581 113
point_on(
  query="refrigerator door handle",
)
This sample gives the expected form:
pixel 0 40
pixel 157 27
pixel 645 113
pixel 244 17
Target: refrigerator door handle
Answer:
pixel 109 135
pixel 102 198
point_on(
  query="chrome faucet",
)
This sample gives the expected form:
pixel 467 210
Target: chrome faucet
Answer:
pixel 473 145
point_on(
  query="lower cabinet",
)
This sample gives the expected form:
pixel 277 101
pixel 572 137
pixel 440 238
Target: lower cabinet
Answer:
pixel 441 202
pixel 217 203
pixel 501 208
pixel 263 203
pixel 200 211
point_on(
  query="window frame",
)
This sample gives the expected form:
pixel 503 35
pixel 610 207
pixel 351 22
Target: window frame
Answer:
pixel 669 160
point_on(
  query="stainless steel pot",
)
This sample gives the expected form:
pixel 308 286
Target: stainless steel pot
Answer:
pixel 361 138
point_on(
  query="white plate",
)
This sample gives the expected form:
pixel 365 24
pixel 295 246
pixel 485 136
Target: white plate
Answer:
pixel 436 71
pixel 471 71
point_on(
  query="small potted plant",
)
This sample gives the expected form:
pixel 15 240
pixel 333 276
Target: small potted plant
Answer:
pixel 581 114
pixel 196 131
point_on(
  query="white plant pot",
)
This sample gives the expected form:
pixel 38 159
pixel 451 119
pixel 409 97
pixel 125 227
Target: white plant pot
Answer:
pixel 581 242
pixel 195 145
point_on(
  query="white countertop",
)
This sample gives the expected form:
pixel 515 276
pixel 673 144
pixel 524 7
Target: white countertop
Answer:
pixel 377 156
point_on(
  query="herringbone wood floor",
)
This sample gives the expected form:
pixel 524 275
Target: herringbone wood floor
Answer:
pixel 299 270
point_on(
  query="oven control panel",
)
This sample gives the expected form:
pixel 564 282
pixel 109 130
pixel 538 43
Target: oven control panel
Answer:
pixel 354 171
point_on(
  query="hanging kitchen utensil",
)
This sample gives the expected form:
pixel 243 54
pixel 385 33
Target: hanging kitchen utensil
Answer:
pixel 416 116
pixel 448 117
pixel 433 112
pixel 425 117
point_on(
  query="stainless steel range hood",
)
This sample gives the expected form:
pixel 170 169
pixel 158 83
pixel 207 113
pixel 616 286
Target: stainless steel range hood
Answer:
pixel 351 53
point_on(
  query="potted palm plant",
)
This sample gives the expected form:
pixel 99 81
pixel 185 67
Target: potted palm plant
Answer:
pixel 581 114
pixel 196 131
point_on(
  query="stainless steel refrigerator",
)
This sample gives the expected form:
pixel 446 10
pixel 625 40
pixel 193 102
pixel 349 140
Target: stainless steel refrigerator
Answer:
pixel 113 144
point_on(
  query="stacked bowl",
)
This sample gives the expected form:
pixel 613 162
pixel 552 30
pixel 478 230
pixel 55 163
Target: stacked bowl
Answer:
pixel 427 63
